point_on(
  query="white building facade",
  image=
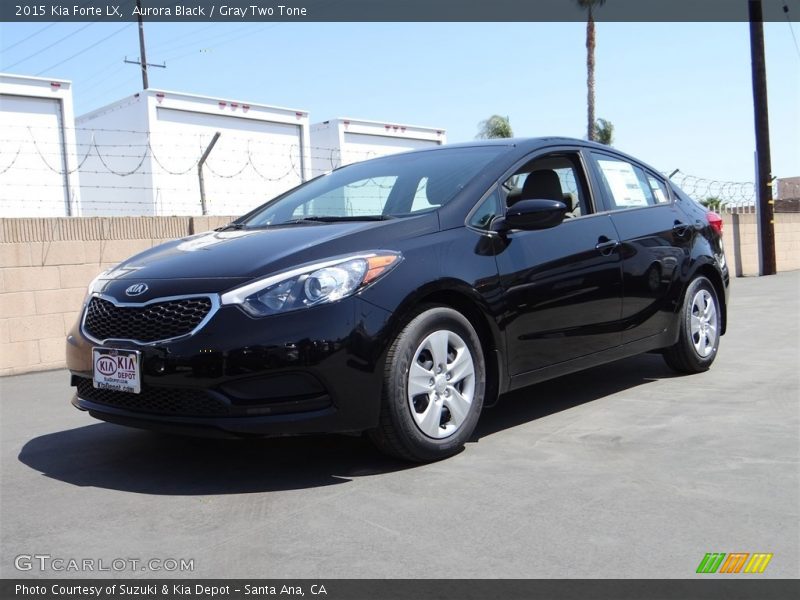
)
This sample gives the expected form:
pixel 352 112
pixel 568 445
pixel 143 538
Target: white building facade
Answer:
pixel 343 141
pixel 38 152
pixel 145 151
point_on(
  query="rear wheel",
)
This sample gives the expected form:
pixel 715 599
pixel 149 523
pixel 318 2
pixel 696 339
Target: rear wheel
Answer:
pixel 434 383
pixel 699 335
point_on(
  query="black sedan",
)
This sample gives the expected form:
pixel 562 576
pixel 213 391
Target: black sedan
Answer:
pixel 401 295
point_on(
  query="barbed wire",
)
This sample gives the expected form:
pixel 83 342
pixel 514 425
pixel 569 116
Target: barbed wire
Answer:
pixel 176 134
pixel 292 167
pixel 215 157
pixel 113 165
pixel 13 160
pixel 140 151
pixel 727 192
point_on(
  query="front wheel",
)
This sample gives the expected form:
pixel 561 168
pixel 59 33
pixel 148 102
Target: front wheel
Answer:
pixel 434 382
pixel 698 340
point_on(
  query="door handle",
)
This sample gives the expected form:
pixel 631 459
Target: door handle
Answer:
pixel 606 246
pixel 680 228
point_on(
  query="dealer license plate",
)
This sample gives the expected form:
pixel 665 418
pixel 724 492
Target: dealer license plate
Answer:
pixel 117 369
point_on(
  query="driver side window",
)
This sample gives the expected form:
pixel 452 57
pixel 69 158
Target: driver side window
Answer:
pixel 558 176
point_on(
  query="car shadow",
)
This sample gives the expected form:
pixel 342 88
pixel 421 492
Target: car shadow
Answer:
pixel 556 395
pixel 119 458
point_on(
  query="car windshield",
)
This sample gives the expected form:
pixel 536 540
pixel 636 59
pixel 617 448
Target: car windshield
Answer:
pixel 394 186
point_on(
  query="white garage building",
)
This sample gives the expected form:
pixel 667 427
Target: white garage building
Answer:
pixel 141 155
pixel 146 150
pixel 343 141
pixel 38 158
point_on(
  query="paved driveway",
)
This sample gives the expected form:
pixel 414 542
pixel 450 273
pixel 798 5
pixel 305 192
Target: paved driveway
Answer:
pixel 621 471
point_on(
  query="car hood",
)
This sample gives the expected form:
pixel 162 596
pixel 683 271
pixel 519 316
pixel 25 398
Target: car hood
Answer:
pixel 215 261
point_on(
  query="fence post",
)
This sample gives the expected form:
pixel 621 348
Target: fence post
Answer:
pixel 737 245
pixel 200 172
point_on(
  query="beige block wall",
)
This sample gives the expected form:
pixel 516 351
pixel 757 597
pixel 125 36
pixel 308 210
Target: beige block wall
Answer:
pixel 740 234
pixel 45 267
pixel 46 264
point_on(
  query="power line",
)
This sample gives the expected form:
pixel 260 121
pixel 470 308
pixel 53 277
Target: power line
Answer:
pixel 100 41
pixel 114 64
pixel 58 41
pixel 171 42
pixel 237 37
pixel 208 41
pixel 222 38
pixel 25 39
pixel 791 28
pixel 35 33
pixel 109 90
pixel 105 81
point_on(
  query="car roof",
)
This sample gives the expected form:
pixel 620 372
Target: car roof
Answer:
pixel 522 146
pixel 519 147
pixel 523 143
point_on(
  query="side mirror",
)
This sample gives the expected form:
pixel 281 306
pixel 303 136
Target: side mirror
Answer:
pixel 529 215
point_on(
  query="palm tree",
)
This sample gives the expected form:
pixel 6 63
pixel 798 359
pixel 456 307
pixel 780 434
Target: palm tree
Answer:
pixel 604 132
pixel 712 203
pixel 495 127
pixel 590 44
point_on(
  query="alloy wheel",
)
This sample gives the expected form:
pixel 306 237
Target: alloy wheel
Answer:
pixel 441 384
pixel 704 323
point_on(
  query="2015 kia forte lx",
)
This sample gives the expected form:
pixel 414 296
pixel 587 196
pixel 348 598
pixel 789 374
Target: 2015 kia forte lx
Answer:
pixel 400 295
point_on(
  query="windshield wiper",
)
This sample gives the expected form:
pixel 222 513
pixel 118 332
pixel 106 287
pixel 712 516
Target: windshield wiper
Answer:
pixel 230 227
pixel 337 218
pixel 315 220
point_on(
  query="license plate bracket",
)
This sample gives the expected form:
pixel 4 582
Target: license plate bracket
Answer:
pixel 117 369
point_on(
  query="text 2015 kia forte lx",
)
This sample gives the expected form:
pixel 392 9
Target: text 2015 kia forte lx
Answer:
pixel 400 295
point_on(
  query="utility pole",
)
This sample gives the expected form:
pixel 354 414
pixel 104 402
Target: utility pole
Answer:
pixel 142 57
pixel 765 204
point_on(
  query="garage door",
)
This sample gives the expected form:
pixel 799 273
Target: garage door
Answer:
pixel 360 146
pixel 253 160
pixel 32 174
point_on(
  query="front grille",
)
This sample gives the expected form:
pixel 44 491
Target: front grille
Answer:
pixel 149 323
pixel 154 400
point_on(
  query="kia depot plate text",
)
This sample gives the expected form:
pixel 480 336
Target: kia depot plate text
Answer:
pixel 116 370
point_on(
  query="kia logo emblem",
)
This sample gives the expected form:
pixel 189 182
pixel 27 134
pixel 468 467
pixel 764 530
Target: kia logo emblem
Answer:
pixel 107 366
pixel 137 289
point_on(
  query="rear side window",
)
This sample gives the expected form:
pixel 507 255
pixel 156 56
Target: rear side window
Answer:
pixel 659 189
pixel 628 185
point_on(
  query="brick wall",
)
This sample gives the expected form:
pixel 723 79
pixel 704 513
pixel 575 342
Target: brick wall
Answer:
pixel 46 264
pixel 741 242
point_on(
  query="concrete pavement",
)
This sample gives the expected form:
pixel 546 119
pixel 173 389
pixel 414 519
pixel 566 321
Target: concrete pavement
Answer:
pixel 621 471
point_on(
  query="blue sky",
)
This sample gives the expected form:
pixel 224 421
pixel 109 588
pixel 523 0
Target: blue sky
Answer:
pixel 679 94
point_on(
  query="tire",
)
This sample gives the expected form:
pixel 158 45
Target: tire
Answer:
pixel 433 388
pixel 700 321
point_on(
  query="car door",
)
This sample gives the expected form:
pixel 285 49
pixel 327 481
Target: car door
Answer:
pixel 562 286
pixel 656 240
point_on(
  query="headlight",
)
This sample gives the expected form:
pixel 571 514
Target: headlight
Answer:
pixel 96 284
pixel 313 284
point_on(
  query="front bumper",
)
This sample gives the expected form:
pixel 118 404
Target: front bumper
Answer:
pixel 310 371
